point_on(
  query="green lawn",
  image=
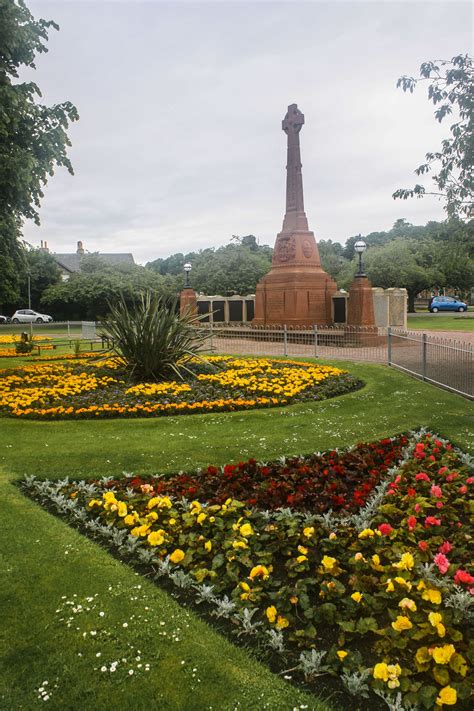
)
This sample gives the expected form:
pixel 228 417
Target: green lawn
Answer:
pixel 441 322
pixel 42 559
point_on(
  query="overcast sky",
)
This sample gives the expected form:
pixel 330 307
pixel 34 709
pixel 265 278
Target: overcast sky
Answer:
pixel 179 144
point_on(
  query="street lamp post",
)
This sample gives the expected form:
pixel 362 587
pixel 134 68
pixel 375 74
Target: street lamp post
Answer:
pixel 187 269
pixel 28 276
pixel 360 247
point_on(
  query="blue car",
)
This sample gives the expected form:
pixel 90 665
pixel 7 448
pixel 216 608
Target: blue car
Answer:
pixel 446 303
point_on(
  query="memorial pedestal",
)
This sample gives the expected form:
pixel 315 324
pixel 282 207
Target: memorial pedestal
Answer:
pixel 187 302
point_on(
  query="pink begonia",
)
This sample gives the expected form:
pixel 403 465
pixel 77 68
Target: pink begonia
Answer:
pixel 411 522
pixel 443 470
pixel 470 480
pixel 445 547
pixel 433 459
pixel 432 521
pixel 417 507
pixel 462 489
pixel 436 491
pixel 439 504
pixel 452 477
pixel 422 477
pixel 463 577
pixel 442 562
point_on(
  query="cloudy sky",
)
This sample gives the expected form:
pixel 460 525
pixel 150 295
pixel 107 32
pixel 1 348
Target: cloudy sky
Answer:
pixel 179 144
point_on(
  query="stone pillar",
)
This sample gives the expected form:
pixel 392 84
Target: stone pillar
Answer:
pixel 361 303
pixel 187 301
pixel 398 301
pixel 296 291
pixel 381 306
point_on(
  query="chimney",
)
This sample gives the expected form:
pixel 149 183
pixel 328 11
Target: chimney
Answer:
pixel 80 248
pixel 44 246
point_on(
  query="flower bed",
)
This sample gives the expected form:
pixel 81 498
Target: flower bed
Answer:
pixel 98 388
pixel 379 598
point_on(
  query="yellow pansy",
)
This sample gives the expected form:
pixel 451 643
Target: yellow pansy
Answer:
pixel 328 562
pixel 406 562
pixel 177 556
pixel 246 530
pixel 271 613
pixel 443 654
pixel 402 623
pixel 447 696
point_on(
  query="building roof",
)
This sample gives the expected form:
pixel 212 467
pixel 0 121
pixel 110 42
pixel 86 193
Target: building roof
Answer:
pixel 72 262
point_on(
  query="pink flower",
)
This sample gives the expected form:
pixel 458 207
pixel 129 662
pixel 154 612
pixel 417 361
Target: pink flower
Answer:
pixel 436 491
pixel 452 477
pixel 439 504
pixel 470 480
pixel 443 470
pixel 431 458
pixel 411 521
pixel 417 507
pixel 462 489
pixel 422 477
pixel 432 521
pixel 445 547
pixel 423 546
pixel 463 577
pixel 385 529
pixel 442 562
pixel 438 443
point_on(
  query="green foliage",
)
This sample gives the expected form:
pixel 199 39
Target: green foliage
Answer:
pixel 33 138
pixel 152 339
pixel 87 293
pixel 451 88
pixel 43 271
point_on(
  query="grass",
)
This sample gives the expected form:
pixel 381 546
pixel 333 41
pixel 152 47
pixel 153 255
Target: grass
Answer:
pixel 441 322
pixel 42 559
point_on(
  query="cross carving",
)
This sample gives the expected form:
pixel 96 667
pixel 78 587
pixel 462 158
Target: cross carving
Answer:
pixel 293 120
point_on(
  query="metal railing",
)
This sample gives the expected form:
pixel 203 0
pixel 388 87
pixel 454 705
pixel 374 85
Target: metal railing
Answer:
pixel 441 361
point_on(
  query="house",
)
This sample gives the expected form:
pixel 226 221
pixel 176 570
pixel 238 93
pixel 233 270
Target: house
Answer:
pixel 71 263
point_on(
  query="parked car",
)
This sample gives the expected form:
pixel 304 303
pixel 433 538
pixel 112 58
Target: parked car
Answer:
pixel 5 319
pixel 446 303
pixel 30 316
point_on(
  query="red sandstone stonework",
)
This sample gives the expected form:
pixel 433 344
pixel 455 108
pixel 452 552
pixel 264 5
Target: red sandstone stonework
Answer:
pixel 296 291
pixel 187 301
pixel 361 303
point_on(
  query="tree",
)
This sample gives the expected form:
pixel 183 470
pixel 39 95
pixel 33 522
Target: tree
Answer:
pixel 43 272
pixel 33 138
pixel 401 263
pixel 451 88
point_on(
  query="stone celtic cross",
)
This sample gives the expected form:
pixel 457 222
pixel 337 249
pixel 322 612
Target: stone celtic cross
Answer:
pixel 295 217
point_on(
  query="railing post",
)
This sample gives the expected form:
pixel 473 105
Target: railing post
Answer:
pixel 68 331
pixel 389 345
pixel 315 329
pixel 424 344
pixel 211 341
pixel 285 340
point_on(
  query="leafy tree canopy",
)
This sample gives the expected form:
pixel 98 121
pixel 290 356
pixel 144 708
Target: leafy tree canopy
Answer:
pixel 450 89
pixel 33 138
pixel 43 271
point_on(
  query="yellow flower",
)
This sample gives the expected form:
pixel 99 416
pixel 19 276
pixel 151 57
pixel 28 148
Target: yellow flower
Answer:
pixel 388 673
pixel 380 671
pixel 357 596
pixel 208 546
pixel 358 556
pixel 328 562
pixel 282 622
pixel 422 655
pixel 407 604
pixel 366 533
pixel 308 531
pixel 342 654
pixel 195 507
pixel 402 623
pixel 202 517
pixel 332 536
pixel 443 654
pixel 436 620
pixel 94 502
pixel 432 595
pixel 271 613
pixel 246 530
pixel 301 559
pixel 131 519
pixel 177 556
pixel 447 696
pixel 406 562
pixel 303 550
pixel 259 571
pixel 156 538
pixel 239 544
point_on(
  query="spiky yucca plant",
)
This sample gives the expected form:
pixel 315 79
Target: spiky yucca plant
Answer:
pixel 152 339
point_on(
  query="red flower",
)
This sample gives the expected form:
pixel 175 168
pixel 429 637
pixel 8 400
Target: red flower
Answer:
pixel 445 547
pixel 423 546
pixel 463 577
pixel 452 477
pixel 442 562
pixel 385 529
pixel 443 470
pixel 436 491
pixel 422 477
pixel 411 491
pixel 411 521
pixel 462 489
pixel 432 521
pixel 470 480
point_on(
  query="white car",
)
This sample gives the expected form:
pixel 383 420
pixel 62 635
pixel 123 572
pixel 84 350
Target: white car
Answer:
pixel 29 316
